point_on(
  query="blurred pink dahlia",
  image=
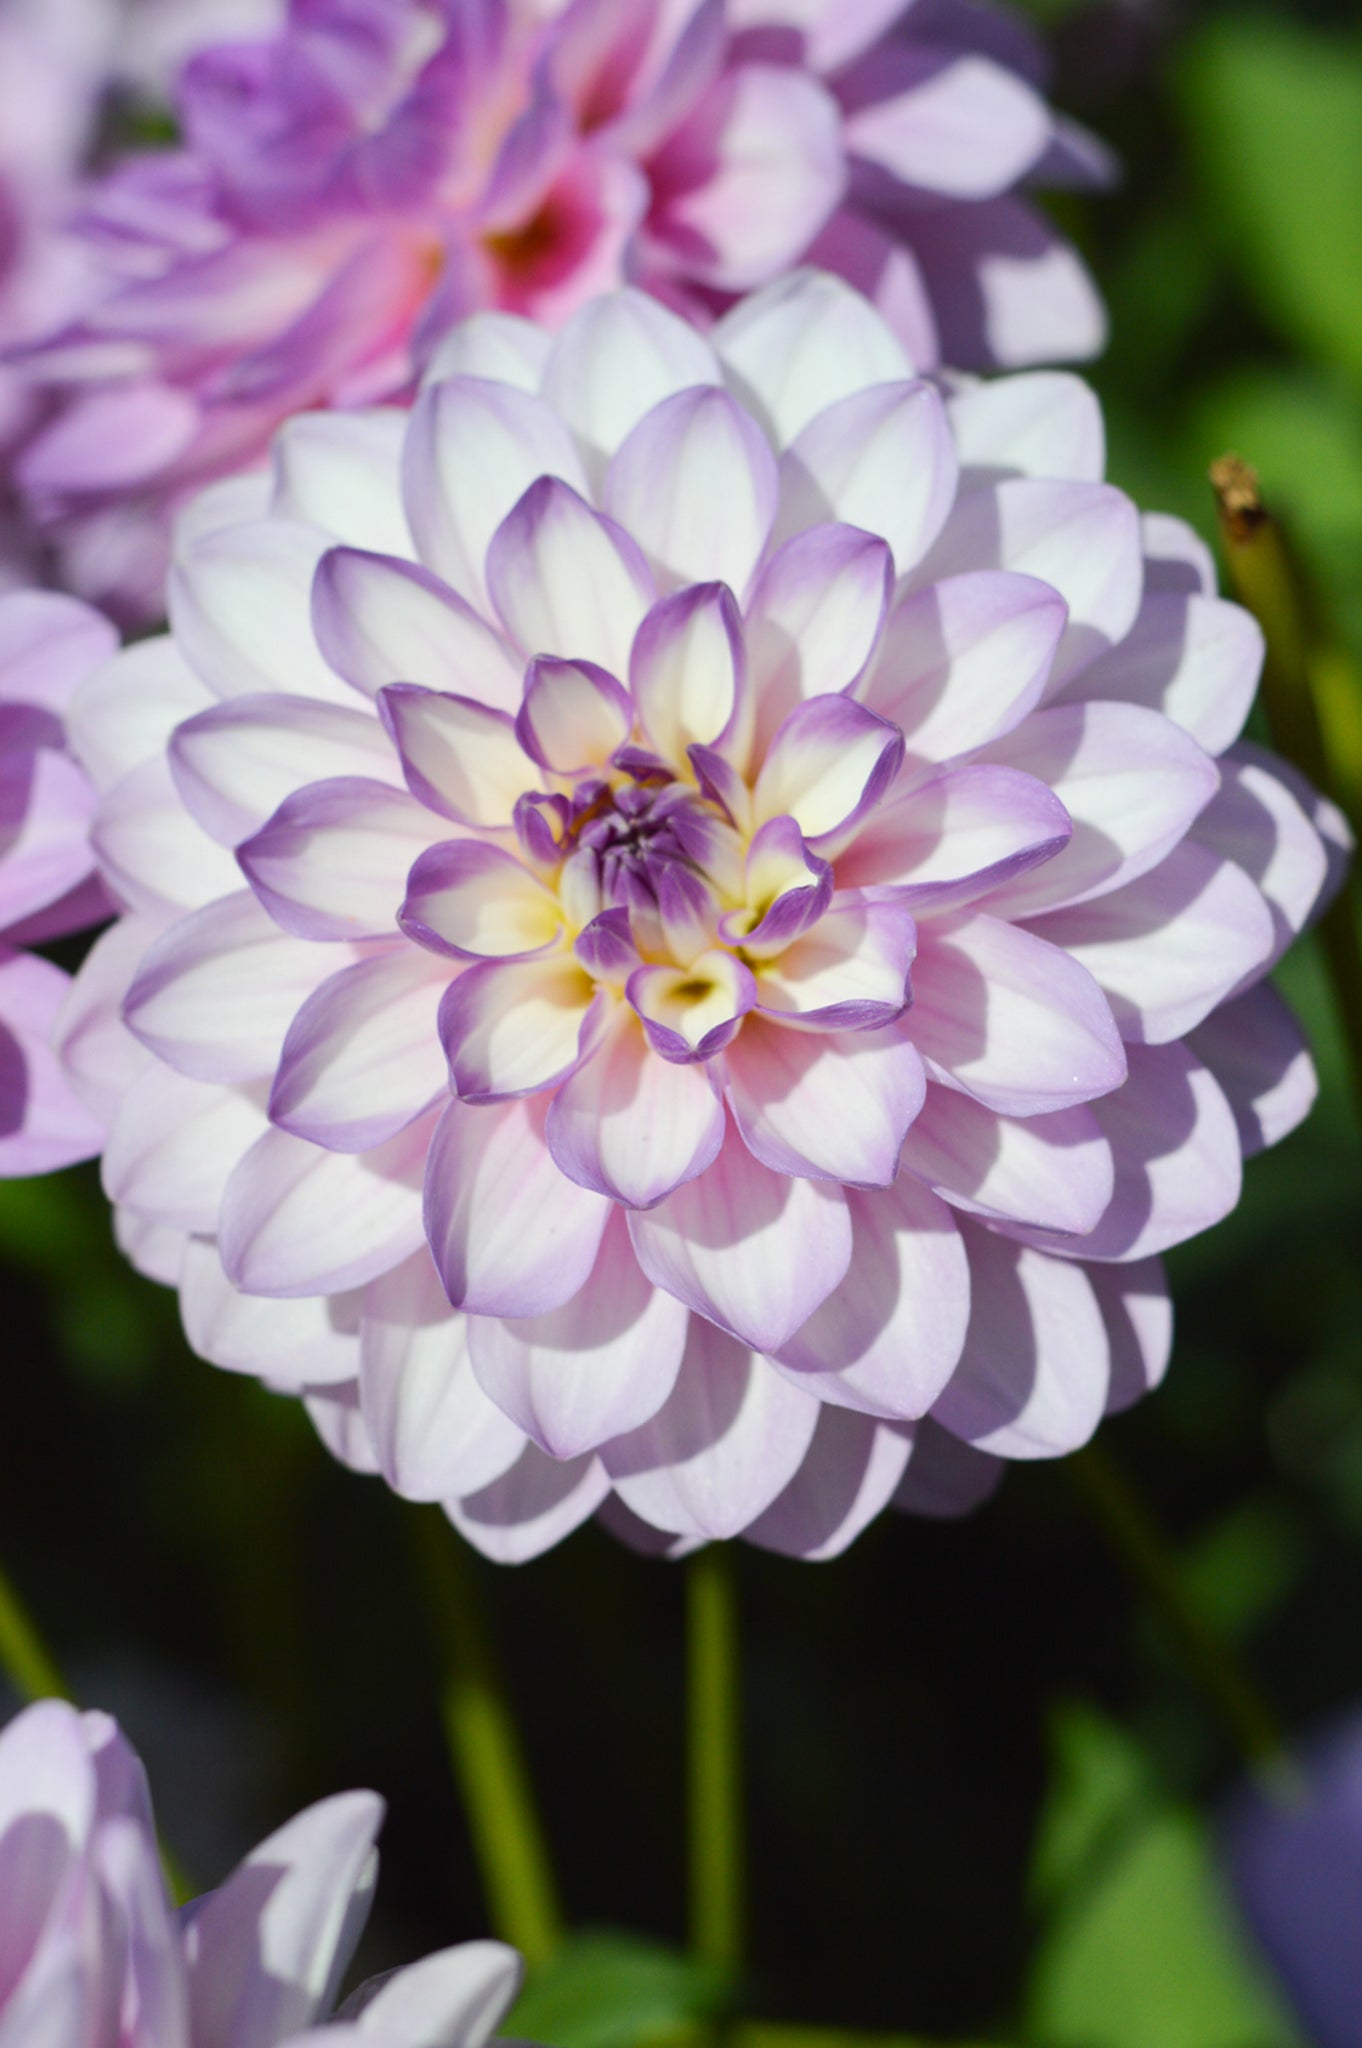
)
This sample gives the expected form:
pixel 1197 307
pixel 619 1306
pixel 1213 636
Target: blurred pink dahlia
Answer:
pixel 94 1955
pixel 752 937
pixel 381 168
pixel 48 885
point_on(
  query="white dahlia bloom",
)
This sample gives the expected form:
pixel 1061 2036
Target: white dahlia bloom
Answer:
pixel 695 922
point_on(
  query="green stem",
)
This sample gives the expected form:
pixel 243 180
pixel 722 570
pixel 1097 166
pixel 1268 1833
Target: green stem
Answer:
pixel 714 1744
pixel 485 1751
pixel 1301 682
pixel 1141 1545
pixel 24 1657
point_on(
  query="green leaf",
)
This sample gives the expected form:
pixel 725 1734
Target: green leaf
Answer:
pixel 611 1990
pixel 1274 115
pixel 1139 1949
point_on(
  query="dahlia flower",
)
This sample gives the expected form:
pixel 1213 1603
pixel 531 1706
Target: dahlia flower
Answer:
pixel 696 921
pixel 93 1954
pixel 350 186
pixel 48 885
pixel 1294 1858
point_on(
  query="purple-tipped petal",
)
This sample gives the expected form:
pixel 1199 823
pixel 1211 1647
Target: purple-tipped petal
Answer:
pixel 695 483
pixel 475 900
pixel 332 862
pixel 459 757
pixel 379 620
pixel 361 1059
pixel 237 763
pixel 814 618
pixel 514 1027
pixel 687 672
pixel 1054 1171
pixel 692 1013
pixel 834 1106
pixel 849 973
pixel 961 833
pixel 881 459
pixel 631 1125
pixel 828 765
pixel 566 581
pixel 574 715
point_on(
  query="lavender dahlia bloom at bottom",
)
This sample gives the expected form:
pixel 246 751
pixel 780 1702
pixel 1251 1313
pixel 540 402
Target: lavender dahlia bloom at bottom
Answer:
pixel 93 1954
pixel 48 886
pixel 696 922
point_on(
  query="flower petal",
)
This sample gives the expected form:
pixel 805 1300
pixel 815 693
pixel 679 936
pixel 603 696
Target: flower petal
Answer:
pixel 1011 1019
pixel 956 836
pixel 469 898
pixel 473 449
pixel 303 1343
pixel 151 851
pixel 881 459
pixel 830 763
pixel 381 620
pixel 695 484
pixel 1033 1377
pixel 339 471
pixel 574 715
pixel 456 1995
pixel 754 1251
pixel 240 603
pixel 942 120
pixel 565 580
pixel 814 618
pixel 849 1473
pixel 887 1342
pixel 532 1506
pixel 511 1235
pixel 237 762
pixel 299 1220
pixel 1259 1055
pixel 1055 1171
pixel 688 675
pixel 1191 656
pixel 834 1105
pixel 849 973
pixel 434 1431
pixel 459 757
pixel 1256 821
pixel 1042 423
pixel 618 357
pixel 964 659
pixel 593 1369
pixel 720 1450
pixel 946 1477
pixel 631 1125
pixel 126 711
pixel 801 345
pixel 332 862
pixel 362 1058
pixel 173 1144
pixel 513 1027
pixel 1138 1315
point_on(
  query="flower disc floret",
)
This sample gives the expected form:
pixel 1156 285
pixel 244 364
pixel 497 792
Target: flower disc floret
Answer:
pixel 752 934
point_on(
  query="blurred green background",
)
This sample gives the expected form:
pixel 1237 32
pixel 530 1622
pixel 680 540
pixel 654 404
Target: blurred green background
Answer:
pixel 981 1785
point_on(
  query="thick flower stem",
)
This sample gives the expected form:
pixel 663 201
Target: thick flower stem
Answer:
pixel 1300 671
pixel 1142 1547
pixel 714 1739
pixel 484 1747
pixel 24 1657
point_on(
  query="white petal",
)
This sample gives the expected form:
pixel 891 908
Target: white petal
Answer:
pixel 341 471
pixel 881 459
pixel 801 345
pixel 241 611
pixel 695 484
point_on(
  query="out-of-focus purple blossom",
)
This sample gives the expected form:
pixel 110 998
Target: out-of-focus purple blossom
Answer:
pixel 382 168
pixel 48 886
pixel 1294 1857
pixel 696 922
pixel 94 1955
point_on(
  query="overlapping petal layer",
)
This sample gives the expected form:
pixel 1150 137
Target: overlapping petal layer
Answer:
pixel 750 948
pixel 349 185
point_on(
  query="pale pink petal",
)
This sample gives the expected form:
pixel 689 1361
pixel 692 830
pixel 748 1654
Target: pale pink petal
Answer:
pixel 1083 539
pixel 332 862
pixel 720 1450
pixel 45 808
pixel 693 1012
pixel 511 1235
pixel 565 580
pixel 49 645
pixel 151 852
pixel 235 763
pixel 955 836
pixel 1189 655
pixel 434 1431
pixel 1131 781
pixel 1055 1170
pixel 754 1251
pixel 380 620
pixel 1138 1315
pixel 593 1369
pixel 1033 1377
pixel 942 120
pixel 1006 289
pixel 801 345
pixel 964 659
pixel 695 484
pixel 631 1125
pixel 881 459
pixel 1043 423
pixel 835 1106
pixel 334 1413
pixel 748 181
pixel 472 451
pixel 339 471
pixel 1170 946
pixel 849 1473
pixel 241 611
pixel 362 1058
pixel 1256 821
pixel 814 618
pixel 99 1055
pixel 174 1143
pixel 299 1220
pixel 532 1506
pixel 455 1996
pixel 1259 1055
pixel 215 994
pixel 303 1343
pixel 43 1123
pixel 1011 1019
pixel 888 1340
